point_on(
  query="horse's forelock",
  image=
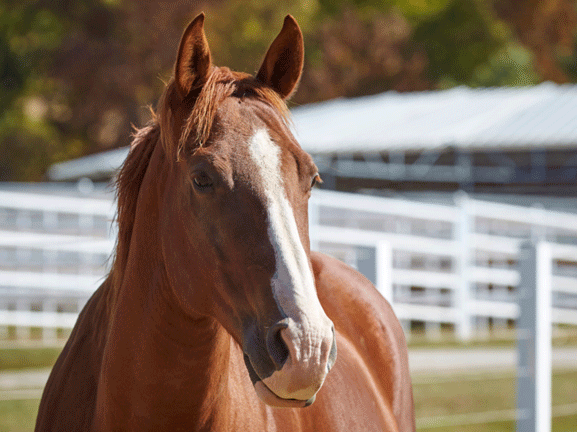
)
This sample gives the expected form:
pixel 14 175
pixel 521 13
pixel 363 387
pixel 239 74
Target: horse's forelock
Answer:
pixel 221 83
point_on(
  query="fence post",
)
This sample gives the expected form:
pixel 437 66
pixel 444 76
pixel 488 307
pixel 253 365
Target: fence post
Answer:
pixel 534 338
pixel 462 234
pixel 384 270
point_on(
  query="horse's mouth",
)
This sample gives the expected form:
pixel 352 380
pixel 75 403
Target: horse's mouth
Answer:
pixel 268 396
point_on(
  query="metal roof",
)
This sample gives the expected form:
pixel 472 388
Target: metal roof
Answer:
pixel 505 117
pixel 542 116
pixel 97 166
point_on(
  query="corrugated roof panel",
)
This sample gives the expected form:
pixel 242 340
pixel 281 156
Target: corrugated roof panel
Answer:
pixel 547 123
pixel 563 116
pixel 461 117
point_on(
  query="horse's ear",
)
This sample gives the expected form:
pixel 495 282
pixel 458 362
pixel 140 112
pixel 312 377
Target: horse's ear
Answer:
pixel 193 61
pixel 283 63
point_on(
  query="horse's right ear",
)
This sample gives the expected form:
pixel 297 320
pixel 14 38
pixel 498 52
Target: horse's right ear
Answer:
pixel 193 61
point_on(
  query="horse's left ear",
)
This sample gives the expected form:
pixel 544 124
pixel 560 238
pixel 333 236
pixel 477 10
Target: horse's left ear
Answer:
pixel 283 63
pixel 193 62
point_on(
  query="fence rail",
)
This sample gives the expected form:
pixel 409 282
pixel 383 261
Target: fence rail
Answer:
pixel 453 265
pixel 450 264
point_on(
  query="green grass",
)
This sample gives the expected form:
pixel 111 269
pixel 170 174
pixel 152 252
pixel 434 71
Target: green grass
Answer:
pixel 564 336
pixel 435 396
pixel 564 424
pixel 460 394
pixel 438 396
pixel 26 358
pixel 18 415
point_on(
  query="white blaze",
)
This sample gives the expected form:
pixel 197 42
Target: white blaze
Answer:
pixel 293 284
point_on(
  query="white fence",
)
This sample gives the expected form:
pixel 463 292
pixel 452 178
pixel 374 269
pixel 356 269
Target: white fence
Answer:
pixel 53 253
pixel 447 265
pixel 451 266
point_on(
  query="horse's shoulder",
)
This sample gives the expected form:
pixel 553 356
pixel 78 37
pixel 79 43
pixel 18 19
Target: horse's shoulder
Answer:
pixel 340 285
pixel 363 316
pixel 73 382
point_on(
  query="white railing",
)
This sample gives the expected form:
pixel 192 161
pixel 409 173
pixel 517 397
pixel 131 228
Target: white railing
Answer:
pixel 453 265
pixel 449 265
pixel 53 255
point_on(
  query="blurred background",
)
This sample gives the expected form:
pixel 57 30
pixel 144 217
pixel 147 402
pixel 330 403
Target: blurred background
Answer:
pixel 445 132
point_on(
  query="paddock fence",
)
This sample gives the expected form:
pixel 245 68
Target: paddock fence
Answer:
pixel 447 266
pixel 443 267
pixel 54 251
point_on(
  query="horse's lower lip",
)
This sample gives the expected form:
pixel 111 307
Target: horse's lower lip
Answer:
pixel 270 398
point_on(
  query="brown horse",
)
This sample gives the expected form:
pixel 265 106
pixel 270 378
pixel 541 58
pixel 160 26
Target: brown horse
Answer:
pixel 216 313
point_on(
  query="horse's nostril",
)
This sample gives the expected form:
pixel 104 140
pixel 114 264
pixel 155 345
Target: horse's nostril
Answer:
pixel 332 353
pixel 275 345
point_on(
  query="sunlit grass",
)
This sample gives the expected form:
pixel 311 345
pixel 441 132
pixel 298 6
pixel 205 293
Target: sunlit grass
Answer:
pixel 24 358
pixel 563 336
pixel 438 396
pixel 18 415
pixel 435 396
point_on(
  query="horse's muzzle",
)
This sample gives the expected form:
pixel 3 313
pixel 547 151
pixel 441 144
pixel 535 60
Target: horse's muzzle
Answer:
pixel 291 368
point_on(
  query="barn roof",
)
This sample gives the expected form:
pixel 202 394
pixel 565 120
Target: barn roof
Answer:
pixel 505 117
pixel 543 116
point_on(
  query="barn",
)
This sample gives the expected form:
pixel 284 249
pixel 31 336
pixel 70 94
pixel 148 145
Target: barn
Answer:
pixel 488 140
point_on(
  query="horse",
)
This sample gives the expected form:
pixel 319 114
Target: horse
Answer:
pixel 215 315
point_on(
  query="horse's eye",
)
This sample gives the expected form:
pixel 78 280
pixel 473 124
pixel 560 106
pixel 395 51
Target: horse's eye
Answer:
pixel 316 180
pixel 202 182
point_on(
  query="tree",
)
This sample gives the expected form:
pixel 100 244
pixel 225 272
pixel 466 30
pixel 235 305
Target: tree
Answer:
pixel 74 75
pixel 547 29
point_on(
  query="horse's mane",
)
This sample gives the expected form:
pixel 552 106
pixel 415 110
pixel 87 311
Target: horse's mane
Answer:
pixel 220 84
pixel 128 182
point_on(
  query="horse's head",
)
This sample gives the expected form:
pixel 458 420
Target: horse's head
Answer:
pixel 234 219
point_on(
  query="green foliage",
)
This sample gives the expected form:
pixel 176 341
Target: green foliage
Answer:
pixel 239 32
pixel 457 41
pixel 418 10
pixel 511 66
pixel 27 34
pixel 567 60
pixel 31 106
pixel 411 9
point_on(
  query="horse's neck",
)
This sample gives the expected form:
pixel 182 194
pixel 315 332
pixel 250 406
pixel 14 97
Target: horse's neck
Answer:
pixel 159 365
